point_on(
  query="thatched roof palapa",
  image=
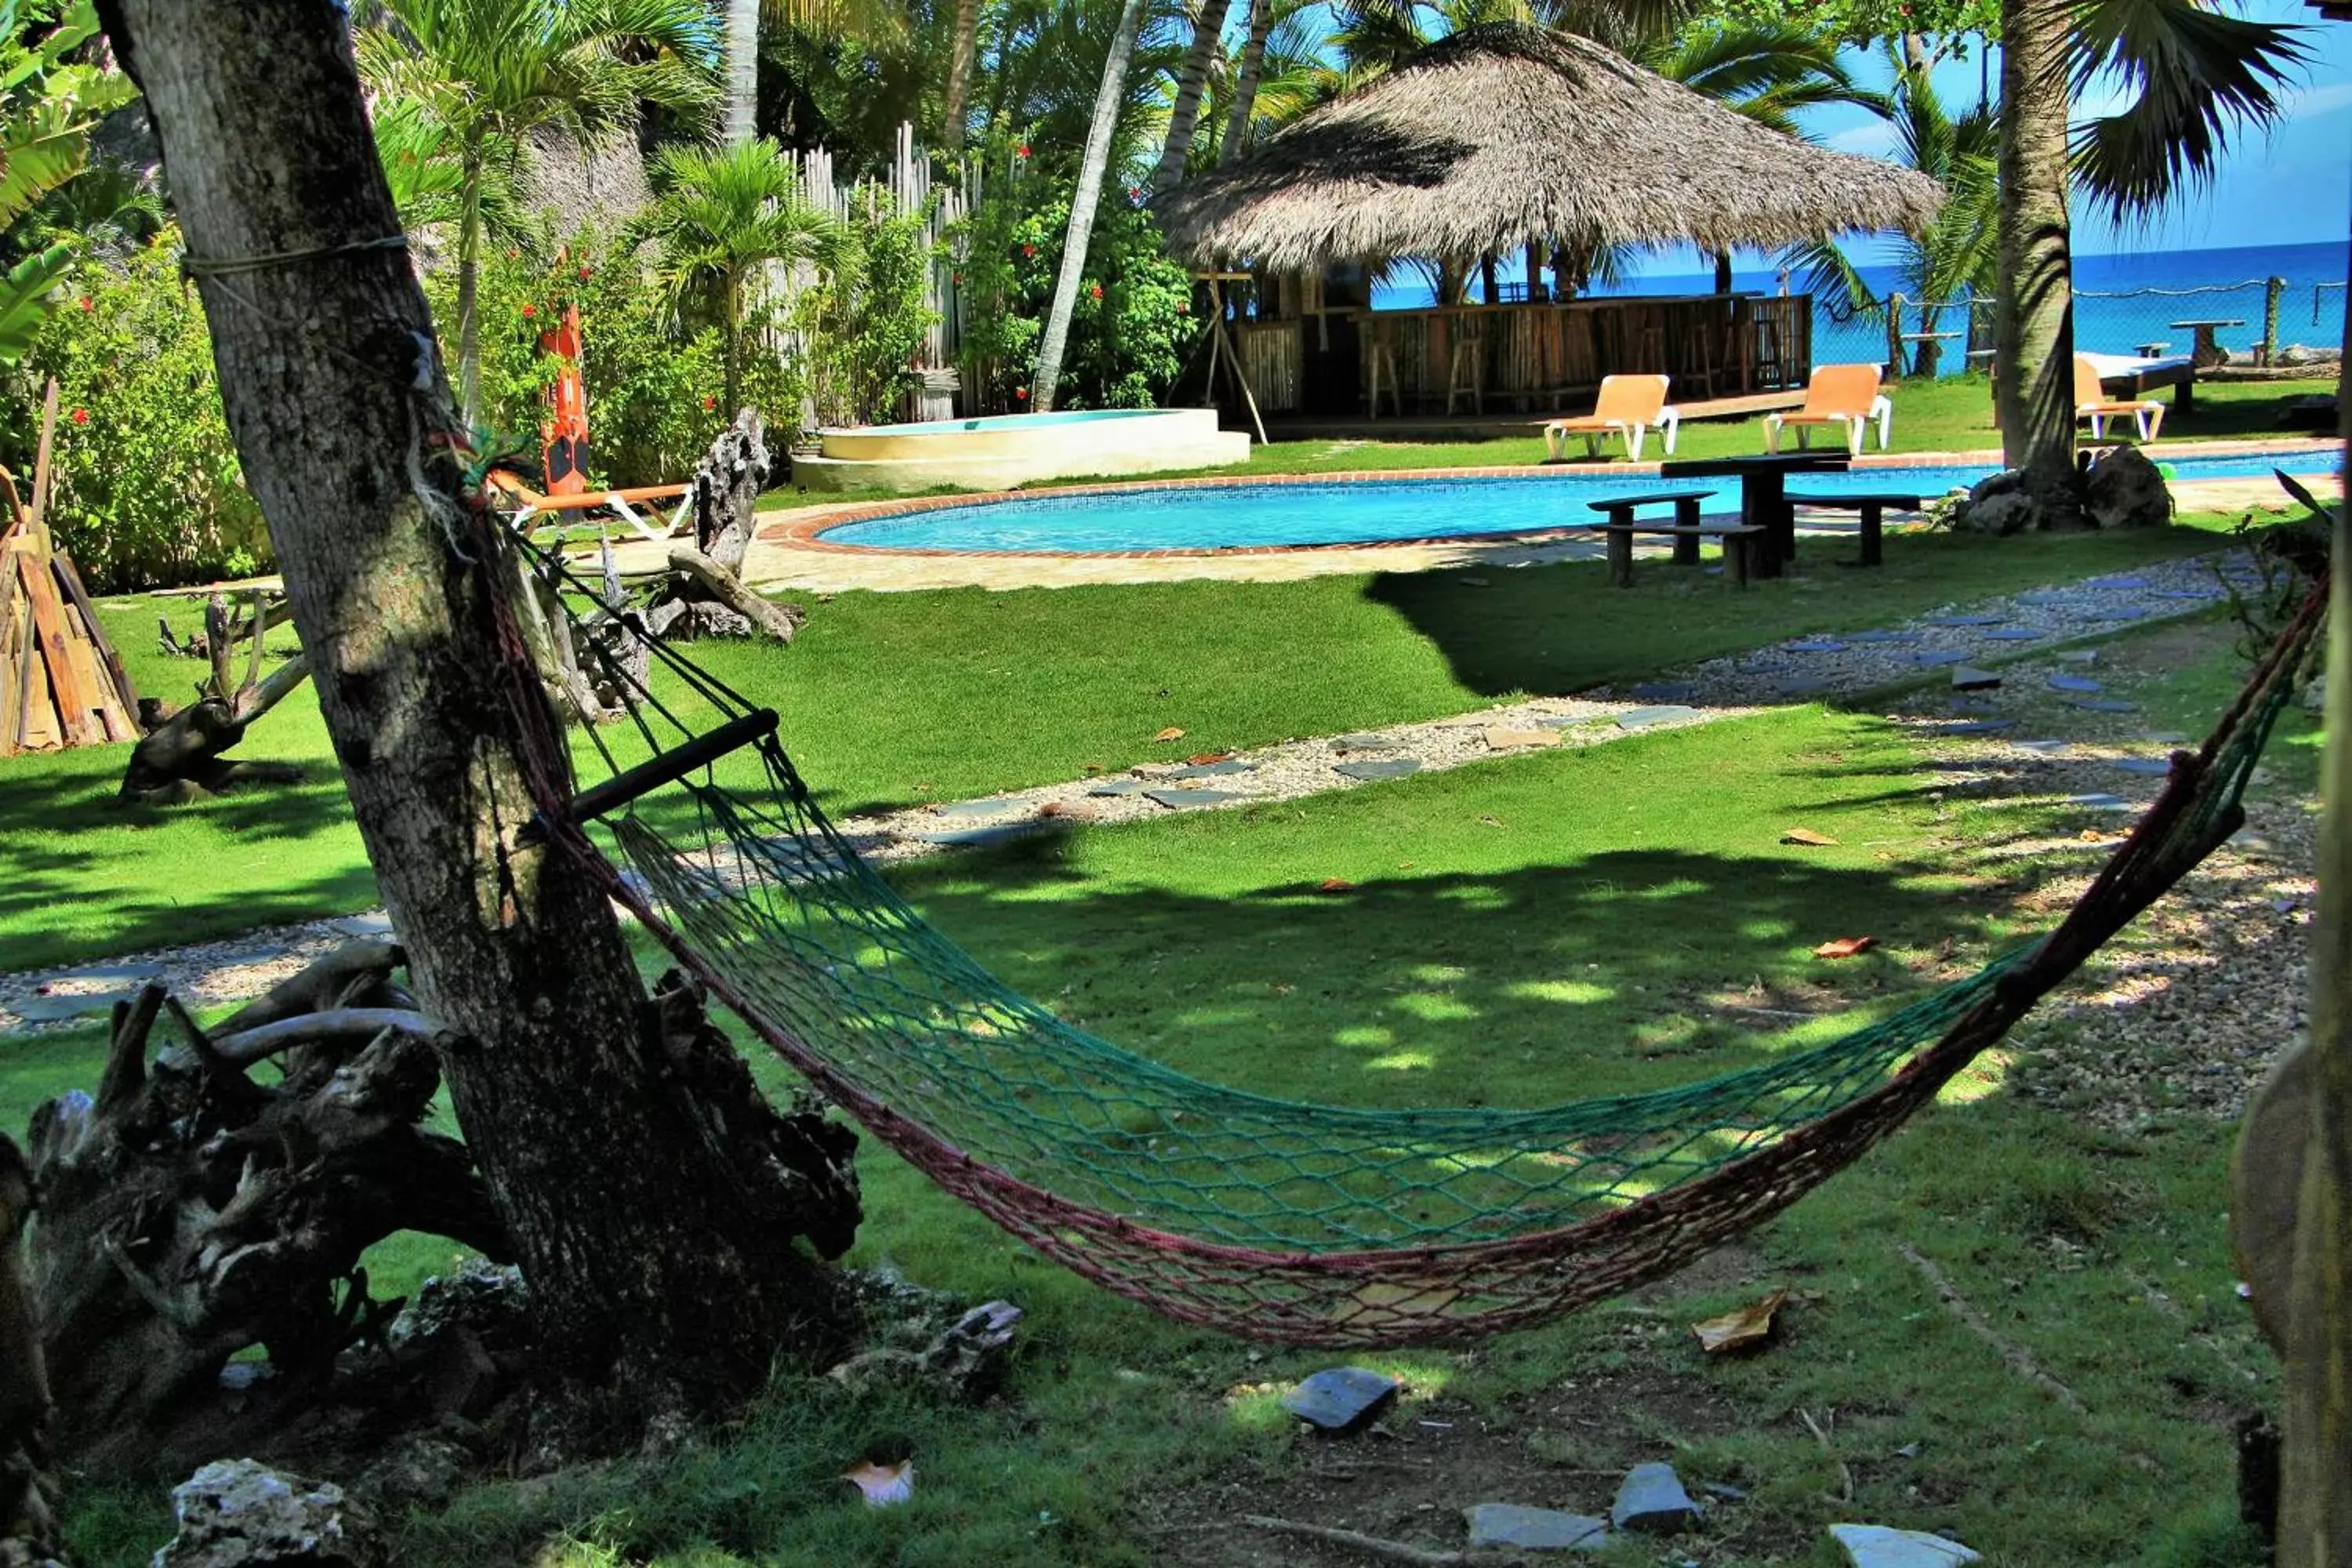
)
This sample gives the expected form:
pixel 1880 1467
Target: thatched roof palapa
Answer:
pixel 1505 133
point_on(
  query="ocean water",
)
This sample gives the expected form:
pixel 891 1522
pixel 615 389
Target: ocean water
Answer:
pixel 1226 517
pixel 2156 288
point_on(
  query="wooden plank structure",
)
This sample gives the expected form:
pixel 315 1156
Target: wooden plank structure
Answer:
pixel 61 682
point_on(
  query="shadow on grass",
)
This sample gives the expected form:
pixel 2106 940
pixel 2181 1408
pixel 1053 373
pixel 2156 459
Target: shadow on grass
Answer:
pixel 81 871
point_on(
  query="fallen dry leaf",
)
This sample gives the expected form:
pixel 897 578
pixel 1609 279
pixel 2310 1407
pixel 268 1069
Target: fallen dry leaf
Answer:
pixel 1203 759
pixel 1091 768
pixel 1845 947
pixel 1169 733
pixel 1808 836
pixel 1737 1330
pixel 1492 821
pixel 1336 884
pixel 1077 811
pixel 883 1485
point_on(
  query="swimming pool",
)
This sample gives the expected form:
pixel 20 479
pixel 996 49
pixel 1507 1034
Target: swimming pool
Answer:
pixel 1000 452
pixel 1386 510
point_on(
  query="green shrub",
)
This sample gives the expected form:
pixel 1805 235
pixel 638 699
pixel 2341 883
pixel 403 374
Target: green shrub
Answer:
pixel 865 326
pixel 653 383
pixel 148 490
pixel 1129 330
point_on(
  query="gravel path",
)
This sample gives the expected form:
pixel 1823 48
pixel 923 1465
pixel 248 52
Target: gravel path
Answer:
pixel 1980 752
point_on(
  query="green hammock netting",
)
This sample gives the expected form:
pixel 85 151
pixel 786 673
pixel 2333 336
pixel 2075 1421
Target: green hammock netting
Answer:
pixel 1315 1224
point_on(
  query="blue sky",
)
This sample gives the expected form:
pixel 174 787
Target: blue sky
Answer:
pixel 2291 187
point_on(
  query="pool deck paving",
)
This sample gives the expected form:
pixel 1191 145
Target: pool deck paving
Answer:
pixel 791 550
pixel 1803 668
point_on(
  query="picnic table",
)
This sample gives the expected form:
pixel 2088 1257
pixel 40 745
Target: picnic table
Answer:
pixel 2209 351
pixel 1927 350
pixel 1763 493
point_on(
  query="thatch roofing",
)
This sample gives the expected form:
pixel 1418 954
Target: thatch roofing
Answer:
pixel 1505 133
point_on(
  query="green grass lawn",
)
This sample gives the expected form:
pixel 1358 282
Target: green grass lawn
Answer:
pixel 1535 929
pixel 895 698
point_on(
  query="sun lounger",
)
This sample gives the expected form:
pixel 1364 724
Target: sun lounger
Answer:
pixel 2092 403
pixel 590 505
pixel 1843 395
pixel 2136 375
pixel 1628 407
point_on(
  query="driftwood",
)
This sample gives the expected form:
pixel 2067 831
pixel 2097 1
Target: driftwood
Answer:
pixel 179 757
pixel 704 593
pixel 28 1526
pixel 190 1212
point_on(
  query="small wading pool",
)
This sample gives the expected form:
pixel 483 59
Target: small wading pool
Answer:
pixel 1000 452
pixel 1376 512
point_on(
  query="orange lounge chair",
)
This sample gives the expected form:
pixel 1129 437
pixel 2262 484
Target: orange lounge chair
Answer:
pixel 1845 396
pixel 2092 403
pixel 623 504
pixel 1628 407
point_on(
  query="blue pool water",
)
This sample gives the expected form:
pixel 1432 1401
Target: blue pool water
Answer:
pixel 1229 516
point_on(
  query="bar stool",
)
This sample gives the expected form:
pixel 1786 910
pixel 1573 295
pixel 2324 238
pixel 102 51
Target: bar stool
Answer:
pixel 1768 364
pixel 1383 368
pixel 1469 354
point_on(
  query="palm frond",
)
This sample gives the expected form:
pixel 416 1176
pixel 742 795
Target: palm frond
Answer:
pixel 2193 74
pixel 25 298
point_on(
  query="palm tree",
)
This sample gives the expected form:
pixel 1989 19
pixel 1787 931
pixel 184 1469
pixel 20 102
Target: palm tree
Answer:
pixel 1100 132
pixel 1960 254
pixel 721 216
pixel 2199 74
pixel 490 72
pixel 1208 34
pixel 1281 73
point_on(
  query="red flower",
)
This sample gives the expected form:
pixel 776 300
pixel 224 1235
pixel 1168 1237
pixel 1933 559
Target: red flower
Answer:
pixel 512 254
pixel 82 415
pixel 710 403
pixel 1182 308
pixel 958 277
pixel 1028 250
pixel 1020 392
pixel 1024 149
pixel 583 275
pixel 85 304
pixel 1095 290
pixel 529 311
pixel 1135 193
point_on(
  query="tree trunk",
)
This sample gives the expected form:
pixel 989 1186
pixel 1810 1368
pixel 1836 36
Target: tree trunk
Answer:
pixel 660 1249
pixel 2034 346
pixel 1723 272
pixel 1246 81
pixel 1208 30
pixel 2315 1394
pixel 29 1525
pixel 742 71
pixel 1054 341
pixel 960 55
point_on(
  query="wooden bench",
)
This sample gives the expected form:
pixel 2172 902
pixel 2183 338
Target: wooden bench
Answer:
pixel 1686 531
pixel 1873 514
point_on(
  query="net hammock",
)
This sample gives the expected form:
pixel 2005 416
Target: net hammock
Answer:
pixel 1305 1223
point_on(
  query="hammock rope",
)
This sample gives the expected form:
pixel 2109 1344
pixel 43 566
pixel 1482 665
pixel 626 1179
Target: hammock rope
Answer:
pixel 1298 1222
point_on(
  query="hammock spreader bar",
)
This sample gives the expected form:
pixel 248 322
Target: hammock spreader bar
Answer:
pixel 664 767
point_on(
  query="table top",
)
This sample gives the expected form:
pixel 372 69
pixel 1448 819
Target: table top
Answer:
pixel 1758 463
pixel 1924 337
pixel 2210 323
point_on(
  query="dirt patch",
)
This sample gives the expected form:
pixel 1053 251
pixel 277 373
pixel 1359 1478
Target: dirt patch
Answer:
pixel 1638 1396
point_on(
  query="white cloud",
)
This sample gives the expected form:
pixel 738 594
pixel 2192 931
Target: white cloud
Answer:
pixel 2311 102
pixel 1873 140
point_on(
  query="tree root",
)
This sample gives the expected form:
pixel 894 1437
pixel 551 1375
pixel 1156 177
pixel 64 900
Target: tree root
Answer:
pixel 2018 1358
